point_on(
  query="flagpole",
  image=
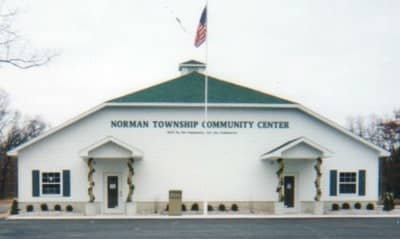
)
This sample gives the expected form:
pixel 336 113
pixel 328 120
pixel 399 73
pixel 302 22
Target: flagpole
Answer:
pixel 205 204
pixel 206 71
pixel 206 85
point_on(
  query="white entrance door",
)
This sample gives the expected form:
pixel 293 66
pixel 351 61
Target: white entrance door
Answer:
pixel 112 193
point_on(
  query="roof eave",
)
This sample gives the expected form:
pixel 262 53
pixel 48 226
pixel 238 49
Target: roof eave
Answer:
pixel 136 153
pixel 381 152
pixel 14 152
pixel 278 151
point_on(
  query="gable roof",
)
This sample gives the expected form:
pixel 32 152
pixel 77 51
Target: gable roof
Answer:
pixel 190 89
pixel 280 147
pixel 277 152
pixel 135 153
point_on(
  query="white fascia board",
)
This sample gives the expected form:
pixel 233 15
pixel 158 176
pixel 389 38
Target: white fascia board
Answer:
pixel 14 152
pixel 327 152
pixel 272 156
pixel 382 152
pixel 136 153
pixel 278 153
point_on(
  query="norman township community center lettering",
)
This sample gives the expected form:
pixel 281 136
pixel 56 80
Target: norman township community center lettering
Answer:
pixel 193 124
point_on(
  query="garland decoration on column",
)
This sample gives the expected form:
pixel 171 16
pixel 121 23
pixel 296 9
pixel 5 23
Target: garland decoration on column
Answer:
pixel 317 181
pixel 129 180
pixel 90 180
pixel 279 173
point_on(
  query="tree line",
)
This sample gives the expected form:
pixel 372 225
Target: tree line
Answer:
pixel 384 132
pixel 15 129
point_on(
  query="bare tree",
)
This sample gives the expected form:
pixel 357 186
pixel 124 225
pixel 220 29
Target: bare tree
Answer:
pixel 15 130
pixel 384 132
pixel 369 128
pixel 14 50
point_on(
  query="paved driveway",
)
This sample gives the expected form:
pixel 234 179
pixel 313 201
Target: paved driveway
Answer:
pixel 203 228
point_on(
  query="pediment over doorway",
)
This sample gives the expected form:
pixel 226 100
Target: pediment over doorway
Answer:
pixel 298 148
pixel 110 147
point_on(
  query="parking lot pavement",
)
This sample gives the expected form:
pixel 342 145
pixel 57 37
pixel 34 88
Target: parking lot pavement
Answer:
pixel 203 228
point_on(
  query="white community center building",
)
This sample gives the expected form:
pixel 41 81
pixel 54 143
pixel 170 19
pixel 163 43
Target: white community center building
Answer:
pixel 259 152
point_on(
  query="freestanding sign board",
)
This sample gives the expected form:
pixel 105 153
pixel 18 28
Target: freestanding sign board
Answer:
pixel 175 203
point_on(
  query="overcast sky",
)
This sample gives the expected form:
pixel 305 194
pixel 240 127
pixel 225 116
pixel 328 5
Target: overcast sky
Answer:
pixel 340 58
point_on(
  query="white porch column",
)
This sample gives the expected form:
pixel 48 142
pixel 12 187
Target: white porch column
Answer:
pixel 279 173
pixel 90 180
pixel 318 205
pixel 130 205
pixel 278 205
pixel 90 207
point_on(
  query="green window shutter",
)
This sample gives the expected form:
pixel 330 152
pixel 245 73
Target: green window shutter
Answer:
pixel 35 183
pixel 66 183
pixel 333 183
pixel 361 183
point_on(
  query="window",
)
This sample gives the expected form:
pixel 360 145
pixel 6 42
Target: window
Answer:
pixel 51 183
pixel 347 182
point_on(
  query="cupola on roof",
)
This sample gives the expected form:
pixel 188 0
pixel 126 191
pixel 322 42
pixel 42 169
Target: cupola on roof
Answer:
pixel 192 65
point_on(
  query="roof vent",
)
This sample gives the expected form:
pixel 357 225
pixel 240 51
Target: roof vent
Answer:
pixel 190 66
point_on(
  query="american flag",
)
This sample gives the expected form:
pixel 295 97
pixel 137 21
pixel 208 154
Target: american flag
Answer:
pixel 201 34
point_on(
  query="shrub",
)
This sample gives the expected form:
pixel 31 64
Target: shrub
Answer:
pixel 183 208
pixel 221 207
pixel 14 207
pixel 345 206
pixel 335 207
pixel 234 207
pixel 57 207
pixel 69 208
pixel 370 206
pixel 44 207
pixel 357 205
pixel 195 207
pixel 388 202
pixel 29 208
pixel 210 208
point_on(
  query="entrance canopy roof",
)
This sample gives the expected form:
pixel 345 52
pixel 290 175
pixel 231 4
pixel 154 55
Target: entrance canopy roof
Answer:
pixel 298 148
pixel 110 147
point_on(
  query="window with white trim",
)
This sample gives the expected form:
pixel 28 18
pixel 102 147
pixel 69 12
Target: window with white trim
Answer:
pixel 347 182
pixel 51 183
